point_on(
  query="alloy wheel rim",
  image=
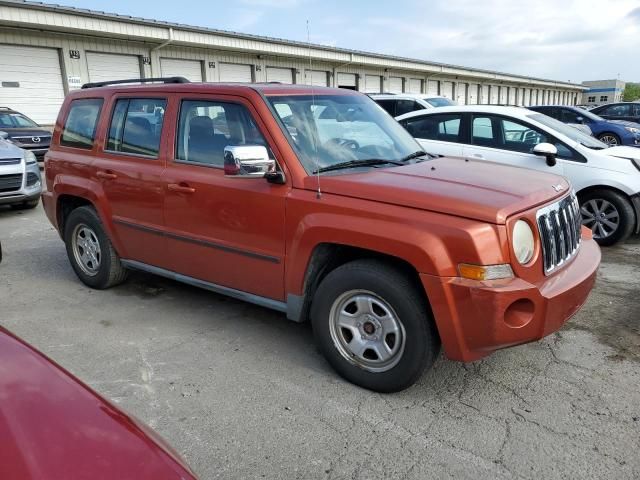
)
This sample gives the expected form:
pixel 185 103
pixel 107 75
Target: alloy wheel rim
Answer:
pixel 609 140
pixel 86 249
pixel 366 331
pixel 601 216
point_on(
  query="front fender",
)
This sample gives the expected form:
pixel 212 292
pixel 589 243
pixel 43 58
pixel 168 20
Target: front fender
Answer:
pixel 431 243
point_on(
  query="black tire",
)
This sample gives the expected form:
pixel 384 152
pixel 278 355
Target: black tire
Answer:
pixel 395 288
pixel 109 271
pixel 602 138
pixel 624 208
pixel 28 205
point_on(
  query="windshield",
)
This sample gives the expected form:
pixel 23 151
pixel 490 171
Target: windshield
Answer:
pixel 16 120
pixel 440 102
pixel 326 130
pixel 568 131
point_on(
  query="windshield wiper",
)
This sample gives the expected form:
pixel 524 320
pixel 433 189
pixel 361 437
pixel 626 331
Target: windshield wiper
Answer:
pixel 419 153
pixel 371 162
pixel 593 147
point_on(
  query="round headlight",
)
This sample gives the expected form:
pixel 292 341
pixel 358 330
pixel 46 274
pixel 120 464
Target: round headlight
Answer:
pixel 523 242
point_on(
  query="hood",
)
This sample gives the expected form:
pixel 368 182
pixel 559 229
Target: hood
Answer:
pixel 622 152
pixel 481 190
pixel 27 132
pixel 625 123
pixel 9 150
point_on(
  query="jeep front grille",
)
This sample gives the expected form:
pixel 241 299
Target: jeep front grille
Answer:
pixel 9 183
pixel 560 232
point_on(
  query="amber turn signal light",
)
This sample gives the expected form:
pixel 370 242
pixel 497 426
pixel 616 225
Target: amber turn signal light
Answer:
pixel 485 272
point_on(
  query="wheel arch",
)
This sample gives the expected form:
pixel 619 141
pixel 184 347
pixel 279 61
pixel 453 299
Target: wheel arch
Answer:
pixel 328 256
pixel 634 200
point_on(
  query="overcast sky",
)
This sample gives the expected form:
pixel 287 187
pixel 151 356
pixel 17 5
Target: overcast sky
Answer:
pixel 572 40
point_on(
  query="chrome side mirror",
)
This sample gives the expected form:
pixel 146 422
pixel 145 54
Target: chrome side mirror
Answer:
pixel 546 150
pixel 247 161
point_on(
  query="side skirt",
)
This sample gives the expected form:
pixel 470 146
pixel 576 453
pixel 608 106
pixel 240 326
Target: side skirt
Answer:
pixel 230 292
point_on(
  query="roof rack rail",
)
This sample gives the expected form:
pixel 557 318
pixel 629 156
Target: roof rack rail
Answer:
pixel 136 80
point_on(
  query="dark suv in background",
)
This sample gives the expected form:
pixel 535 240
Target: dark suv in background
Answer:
pixel 629 111
pixel 24 132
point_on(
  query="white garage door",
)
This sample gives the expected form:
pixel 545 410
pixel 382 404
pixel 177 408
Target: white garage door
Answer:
pixel 414 85
pixel 31 82
pixel 484 98
pixel 395 84
pixel 432 87
pixel 282 75
pixel 347 80
pixel 512 96
pixel 372 83
pixel 472 94
pixel 235 72
pixel 525 97
pixel 318 78
pixel 447 90
pixel 461 93
pixel 494 98
pixel 177 67
pixel 108 66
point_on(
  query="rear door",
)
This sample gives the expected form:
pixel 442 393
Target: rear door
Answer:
pixel 129 165
pixel 440 134
pixel 510 141
pixel 222 230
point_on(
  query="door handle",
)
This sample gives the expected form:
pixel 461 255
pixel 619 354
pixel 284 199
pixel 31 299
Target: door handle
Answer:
pixel 477 155
pixel 180 188
pixel 106 175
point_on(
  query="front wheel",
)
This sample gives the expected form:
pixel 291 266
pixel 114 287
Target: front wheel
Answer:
pixel 373 326
pixel 610 139
pixel 608 214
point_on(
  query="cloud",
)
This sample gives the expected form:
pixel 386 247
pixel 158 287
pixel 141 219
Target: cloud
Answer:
pixel 634 14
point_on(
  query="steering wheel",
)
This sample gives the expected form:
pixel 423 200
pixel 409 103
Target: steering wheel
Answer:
pixel 342 142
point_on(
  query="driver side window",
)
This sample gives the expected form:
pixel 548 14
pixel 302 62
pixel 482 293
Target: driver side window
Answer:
pixel 206 128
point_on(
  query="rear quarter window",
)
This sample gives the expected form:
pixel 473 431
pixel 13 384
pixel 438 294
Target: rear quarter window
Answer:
pixel 80 127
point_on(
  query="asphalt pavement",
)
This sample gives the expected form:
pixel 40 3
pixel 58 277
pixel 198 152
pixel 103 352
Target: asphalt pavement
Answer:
pixel 243 393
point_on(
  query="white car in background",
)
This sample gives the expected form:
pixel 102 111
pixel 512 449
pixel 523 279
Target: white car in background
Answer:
pixel 20 181
pixel 397 104
pixel 606 179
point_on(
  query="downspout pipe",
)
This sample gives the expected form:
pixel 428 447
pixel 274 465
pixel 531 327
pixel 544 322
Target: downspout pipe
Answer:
pixel 165 43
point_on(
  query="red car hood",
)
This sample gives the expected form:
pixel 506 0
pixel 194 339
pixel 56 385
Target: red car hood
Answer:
pixel 480 190
pixel 52 426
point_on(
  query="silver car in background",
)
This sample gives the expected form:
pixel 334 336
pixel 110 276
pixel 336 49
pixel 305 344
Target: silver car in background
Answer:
pixel 20 180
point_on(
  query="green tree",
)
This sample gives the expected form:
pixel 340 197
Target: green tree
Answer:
pixel 632 92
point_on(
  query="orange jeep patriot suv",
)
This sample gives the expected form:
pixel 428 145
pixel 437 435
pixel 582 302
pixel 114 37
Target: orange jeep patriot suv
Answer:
pixel 315 202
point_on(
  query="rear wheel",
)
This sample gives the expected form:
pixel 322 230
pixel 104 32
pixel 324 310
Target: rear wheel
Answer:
pixel 373 326
pixel 610 139
pixel 608 214
pixel 90 252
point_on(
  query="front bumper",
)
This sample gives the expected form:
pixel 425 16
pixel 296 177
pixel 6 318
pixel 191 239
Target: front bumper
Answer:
pixel 26 192
pixel 476 318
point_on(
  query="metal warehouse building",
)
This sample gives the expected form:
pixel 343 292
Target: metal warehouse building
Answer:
pixel 47 50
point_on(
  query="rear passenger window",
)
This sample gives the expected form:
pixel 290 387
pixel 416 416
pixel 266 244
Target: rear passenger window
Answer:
pixel 435 127
pixel 406 106
pixel 136 125
pixel 389 106
pixel 206 128
pixel 80 128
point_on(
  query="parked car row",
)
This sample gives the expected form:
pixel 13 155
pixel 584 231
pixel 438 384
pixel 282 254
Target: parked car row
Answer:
pixel 20 181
